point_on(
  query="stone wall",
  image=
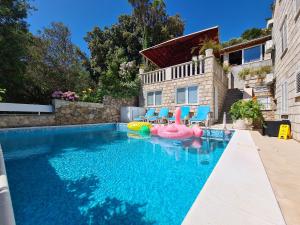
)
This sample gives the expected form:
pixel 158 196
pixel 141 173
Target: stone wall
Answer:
pixel 7 121
pixel 257 83
pixel 220 82
pixel 68 113
pixel 287 62
pixel 213 77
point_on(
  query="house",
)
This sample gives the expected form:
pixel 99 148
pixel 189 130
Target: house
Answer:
pixel 184 78
pixel 286 39
pixel 252 55
pixel 187 79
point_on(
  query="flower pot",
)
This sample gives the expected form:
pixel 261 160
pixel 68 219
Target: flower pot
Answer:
pixel 209 52
pixel 242 124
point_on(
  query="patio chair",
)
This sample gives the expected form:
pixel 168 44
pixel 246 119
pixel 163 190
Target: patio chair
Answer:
pixel 202 114
pixel 163 113
pixel 149 114
pixel 185 112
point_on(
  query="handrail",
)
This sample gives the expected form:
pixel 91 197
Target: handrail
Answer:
pixel 154 71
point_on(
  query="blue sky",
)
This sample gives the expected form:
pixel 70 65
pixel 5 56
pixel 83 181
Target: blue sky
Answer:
pixel 232 16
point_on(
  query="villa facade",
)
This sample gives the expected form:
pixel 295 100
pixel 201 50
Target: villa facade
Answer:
pixel 184 79
pixel 252 54
pixel 286 38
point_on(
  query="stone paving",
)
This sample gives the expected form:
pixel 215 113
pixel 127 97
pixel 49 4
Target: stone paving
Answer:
pixel 281 159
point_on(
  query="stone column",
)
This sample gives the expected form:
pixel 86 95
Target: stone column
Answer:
pixel 226 59
pixel 168 73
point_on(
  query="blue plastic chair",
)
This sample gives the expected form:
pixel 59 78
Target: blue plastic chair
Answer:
pixel 201 114
pixel 163 113
pixel 149 114
pixel 185 112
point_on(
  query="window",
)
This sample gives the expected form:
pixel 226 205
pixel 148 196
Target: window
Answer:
pixel 284 98
pixel 252 54
pixel 158 98
pixel 266 102
pixel 283 33
pixel 187 95
pixel 192 94
pixel 150 99
pixel 235 58
pixel 154 98
pixel 181 96
pixel 297 8
pixel 298 84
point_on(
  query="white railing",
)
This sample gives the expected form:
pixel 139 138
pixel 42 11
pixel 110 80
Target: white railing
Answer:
pixel 187 69
pixel 14 107
pixel 154 76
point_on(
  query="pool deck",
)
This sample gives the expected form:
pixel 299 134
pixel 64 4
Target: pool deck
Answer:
pixel 281 160
pixel 238 191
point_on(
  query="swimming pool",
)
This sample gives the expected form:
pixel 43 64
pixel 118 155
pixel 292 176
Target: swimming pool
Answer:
pixel 102 174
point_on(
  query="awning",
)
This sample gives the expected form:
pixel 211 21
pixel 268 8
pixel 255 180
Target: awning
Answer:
pixel 178 50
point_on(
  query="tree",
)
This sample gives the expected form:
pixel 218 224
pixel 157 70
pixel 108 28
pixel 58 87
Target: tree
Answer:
pixel 148 25
pixel 121 78
pixel 252 33
pixel 156 25
pixel 247 35
pixel 14 38
pixel 53 63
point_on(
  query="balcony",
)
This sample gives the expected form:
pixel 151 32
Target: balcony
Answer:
pixel 188 69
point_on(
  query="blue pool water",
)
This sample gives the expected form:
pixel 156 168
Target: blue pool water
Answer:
pixel 104 175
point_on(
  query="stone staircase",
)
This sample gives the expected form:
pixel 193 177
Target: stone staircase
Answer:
pixel 232 96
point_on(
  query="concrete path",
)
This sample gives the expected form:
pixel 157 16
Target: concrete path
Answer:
pixel 281 160
pixel 238 191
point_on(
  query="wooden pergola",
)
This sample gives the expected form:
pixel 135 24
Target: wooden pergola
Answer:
pixel 178 50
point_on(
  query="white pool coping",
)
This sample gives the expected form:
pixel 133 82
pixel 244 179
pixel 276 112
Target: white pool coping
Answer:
pixel 6 209
pixel 238 191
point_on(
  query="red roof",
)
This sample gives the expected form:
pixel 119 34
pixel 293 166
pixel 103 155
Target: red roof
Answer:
pixel 178 50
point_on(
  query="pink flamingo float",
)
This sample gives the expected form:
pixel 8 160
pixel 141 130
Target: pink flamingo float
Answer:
pixel 177 130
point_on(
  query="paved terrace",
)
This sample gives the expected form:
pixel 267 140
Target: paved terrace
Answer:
pixel 281 160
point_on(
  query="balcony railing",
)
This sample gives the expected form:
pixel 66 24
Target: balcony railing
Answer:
pixel 154 76
pixel 183 70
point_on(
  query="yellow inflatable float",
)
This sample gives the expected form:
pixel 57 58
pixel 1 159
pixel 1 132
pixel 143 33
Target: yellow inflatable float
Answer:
pixel 136 126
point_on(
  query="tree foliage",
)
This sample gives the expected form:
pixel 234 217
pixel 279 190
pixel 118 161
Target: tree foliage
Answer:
pixel 33 66
pixel 111 47
pixel 53 63
pixel 247 35
pixel 13 46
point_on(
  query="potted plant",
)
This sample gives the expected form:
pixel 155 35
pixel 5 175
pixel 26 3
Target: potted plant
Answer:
pixel 207 47
pixel 246 113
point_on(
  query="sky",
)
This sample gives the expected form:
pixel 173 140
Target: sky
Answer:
pixel 232 16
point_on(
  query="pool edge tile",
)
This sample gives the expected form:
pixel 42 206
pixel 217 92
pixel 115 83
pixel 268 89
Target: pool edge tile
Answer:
pixel 238 190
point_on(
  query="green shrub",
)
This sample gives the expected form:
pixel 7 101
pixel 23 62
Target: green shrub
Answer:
pixel 90 95
pixel 261 72
pixel 247 109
